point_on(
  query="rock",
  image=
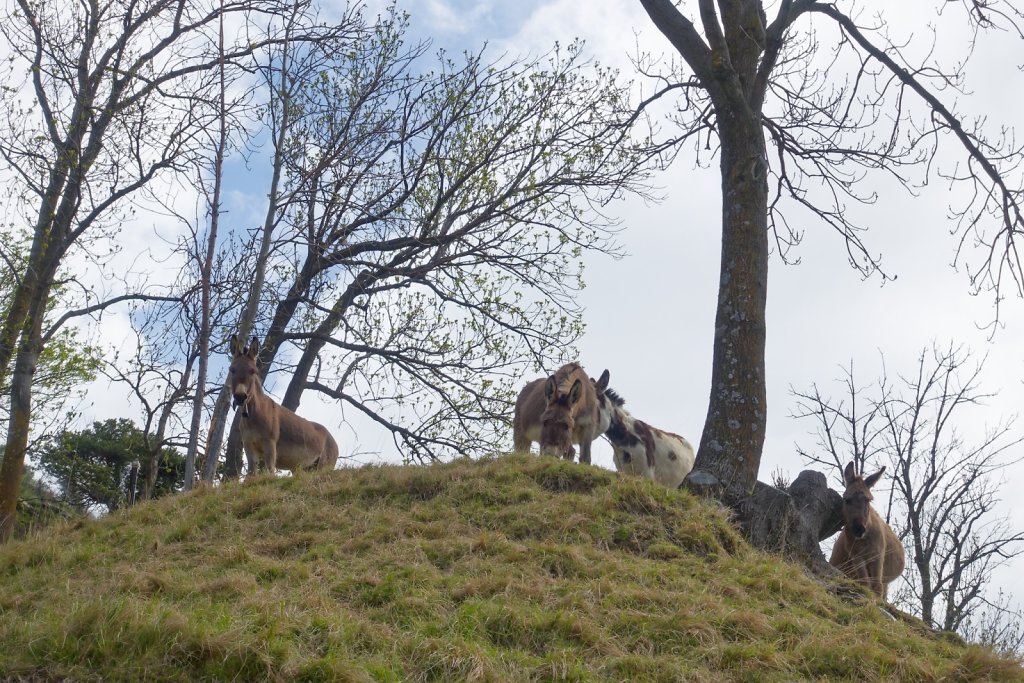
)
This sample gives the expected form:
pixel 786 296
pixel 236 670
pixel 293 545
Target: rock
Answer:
pixel 791 522
pixel 820 506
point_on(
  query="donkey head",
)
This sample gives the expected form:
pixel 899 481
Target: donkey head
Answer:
pixel 857 500
pixel 556 421
pixel 568 394
pixel 243 374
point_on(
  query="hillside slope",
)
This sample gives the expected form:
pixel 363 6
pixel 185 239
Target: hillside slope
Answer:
pixel 506 569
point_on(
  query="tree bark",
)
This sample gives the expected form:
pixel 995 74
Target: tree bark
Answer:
pixel 733 436
pixel 12 469
pixel 820 506
pixel 732 65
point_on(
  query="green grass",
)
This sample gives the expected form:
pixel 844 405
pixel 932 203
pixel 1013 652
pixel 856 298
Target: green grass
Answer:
pixel 505 569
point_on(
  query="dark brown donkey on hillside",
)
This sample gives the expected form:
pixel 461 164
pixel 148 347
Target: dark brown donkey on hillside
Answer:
pixel 270 432
pixel 867 550
pixel 567 407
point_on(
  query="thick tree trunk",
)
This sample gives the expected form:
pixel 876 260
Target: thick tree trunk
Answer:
pixel 12 469
pixel 43 251
pixel 150 470
pixel 14 319
pixel 820 507
pixel 730 447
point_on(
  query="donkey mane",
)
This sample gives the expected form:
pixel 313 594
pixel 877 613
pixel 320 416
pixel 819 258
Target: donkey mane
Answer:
pixel 614 397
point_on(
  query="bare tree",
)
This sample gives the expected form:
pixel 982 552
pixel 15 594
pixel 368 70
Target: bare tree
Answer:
pixel 113 96
pixel 998 624
pixel 431 218
pixel 286 71
pixel 205 262
pixel 798 109
pixel 158 371
pixel 945 485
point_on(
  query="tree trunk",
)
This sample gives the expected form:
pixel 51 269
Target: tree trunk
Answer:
pixel 216 433
pixel 820 507
pixel 233 452
pixel 927 594
pixel 730 447
pixel 204 357
pixel 300 376
pixel 207 269
pixel 42 252
pixel 133 483
pixel 12 469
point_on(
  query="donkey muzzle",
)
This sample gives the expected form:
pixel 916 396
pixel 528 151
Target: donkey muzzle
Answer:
pixel 241 400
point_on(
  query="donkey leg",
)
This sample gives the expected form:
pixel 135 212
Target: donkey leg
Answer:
pixel 520 444
pixel 858 570
pixel 270 457
pixel 585 451
pixel 252 458
pixel 876 570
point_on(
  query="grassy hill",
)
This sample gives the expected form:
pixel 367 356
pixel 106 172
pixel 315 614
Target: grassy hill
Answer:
pixel 507 569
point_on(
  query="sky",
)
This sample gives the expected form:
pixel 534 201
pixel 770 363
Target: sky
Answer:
pixel 650 314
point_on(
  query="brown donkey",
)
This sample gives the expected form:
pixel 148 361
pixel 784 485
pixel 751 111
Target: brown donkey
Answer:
pixel 568 407
pixel 270 432
pixel 867 550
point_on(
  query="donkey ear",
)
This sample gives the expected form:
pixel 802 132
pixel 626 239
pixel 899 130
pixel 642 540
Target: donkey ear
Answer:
pixel 849 474
pixel 550 387
pixel 236 348
pixel 576 391
pixel 602 382
pixel 873 479
pixel 254 348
